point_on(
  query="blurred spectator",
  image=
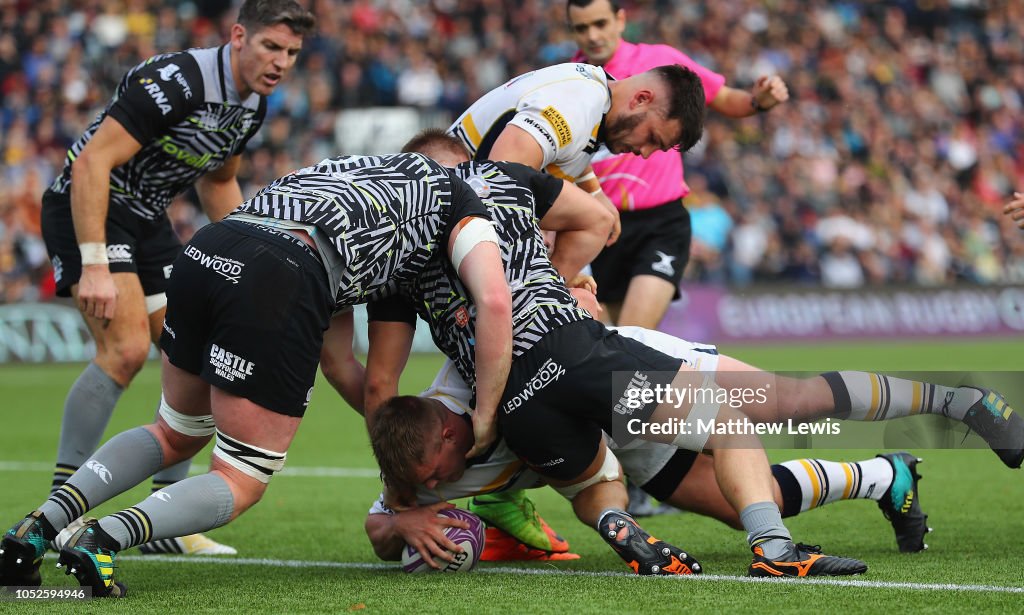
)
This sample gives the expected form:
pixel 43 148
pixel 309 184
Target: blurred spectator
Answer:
pixel 892 163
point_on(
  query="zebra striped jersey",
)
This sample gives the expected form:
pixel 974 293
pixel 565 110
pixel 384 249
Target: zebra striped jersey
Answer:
pixel 385 216
pixel 184 110
pixel 540 300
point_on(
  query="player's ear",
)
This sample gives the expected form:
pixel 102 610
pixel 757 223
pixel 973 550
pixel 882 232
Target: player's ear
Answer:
pixel 448 433
pixel 238 33
pixel 641 98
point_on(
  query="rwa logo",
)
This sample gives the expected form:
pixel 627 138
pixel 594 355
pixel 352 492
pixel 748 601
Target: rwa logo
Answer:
pixel 548 373
pixel 153 89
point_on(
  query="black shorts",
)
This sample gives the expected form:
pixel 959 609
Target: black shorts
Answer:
pixel 663 484
pixel 136 245
pixel 247 308
pixel 654 241
pixel 563 392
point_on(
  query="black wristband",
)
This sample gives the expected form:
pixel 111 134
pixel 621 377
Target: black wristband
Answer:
pixel 757 106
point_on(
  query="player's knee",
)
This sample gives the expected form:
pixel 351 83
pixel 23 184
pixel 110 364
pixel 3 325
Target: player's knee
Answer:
pixel 184 434
pixel 124 358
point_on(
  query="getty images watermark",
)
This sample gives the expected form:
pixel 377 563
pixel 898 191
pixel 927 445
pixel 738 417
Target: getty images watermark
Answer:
pixel 642 393
pixel 802 410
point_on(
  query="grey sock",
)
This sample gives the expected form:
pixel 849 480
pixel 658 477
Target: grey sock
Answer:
pixel 170 475
pixel 126 460
pixel 87 410
pixel 191 506
pixel 765 529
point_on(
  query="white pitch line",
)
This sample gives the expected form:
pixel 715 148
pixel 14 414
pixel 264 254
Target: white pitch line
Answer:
pixel 300 471
pixel 284 563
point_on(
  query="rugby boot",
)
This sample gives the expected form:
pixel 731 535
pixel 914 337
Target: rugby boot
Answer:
pixel 514 513
pixel 195 544
pixel 901 503
pixel 22 549
pixel 1002 428
pixel 644 553
pixel 500 546
pixel 89 556
pixel 803 560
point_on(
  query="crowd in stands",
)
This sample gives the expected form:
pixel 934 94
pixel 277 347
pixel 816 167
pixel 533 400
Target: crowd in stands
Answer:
pixel 889 164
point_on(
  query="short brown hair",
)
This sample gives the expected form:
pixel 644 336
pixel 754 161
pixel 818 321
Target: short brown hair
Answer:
pixel 686 101
pixel 404 429
pixel 434 141
pixel 258 14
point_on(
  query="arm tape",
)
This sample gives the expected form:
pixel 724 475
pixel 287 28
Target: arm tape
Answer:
pixel 470 233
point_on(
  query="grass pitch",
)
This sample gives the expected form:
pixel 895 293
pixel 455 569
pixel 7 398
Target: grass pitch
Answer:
pixel 302 549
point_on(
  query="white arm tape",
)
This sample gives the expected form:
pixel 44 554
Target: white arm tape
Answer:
pixel 609 471
pixel 477 230
pixel 93 253
pixel 586 178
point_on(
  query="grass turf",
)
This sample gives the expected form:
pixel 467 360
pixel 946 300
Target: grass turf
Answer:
pixel 971 498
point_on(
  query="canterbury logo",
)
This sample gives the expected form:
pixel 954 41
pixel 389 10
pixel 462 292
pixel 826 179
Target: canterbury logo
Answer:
pixel 119 253
pixel 162 496
pixel 100 470
pixel 945 404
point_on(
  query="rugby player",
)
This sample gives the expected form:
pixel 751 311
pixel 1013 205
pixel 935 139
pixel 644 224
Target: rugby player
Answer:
pixel 560 397
pixel 248 303
pixel 177 120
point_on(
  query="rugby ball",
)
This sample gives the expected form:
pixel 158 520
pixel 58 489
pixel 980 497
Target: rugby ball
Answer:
pixel 471 541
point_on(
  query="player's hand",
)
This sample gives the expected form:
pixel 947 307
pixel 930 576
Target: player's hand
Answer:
pixel 1015 209
pixel 485 432
pixel 423 529
pixel 584 281
pixel 616 227
pixel 770 91
pixel 97 293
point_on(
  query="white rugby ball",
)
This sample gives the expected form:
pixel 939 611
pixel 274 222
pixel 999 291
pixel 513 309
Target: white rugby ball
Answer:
pixel 471 541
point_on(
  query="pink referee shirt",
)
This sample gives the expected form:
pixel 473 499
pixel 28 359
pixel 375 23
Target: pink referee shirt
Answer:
pixel 631 182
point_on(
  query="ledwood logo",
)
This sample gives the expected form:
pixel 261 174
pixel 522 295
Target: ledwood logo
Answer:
pixel 548 373
pixel 227 267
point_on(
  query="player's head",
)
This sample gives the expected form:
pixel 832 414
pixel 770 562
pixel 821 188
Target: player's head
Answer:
pixel 266 41
pixel 417 441
pixel 438 145
pixel 659 109
pixel 596 26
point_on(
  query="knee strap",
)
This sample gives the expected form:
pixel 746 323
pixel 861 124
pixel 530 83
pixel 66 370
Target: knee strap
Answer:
pixel 608 472
pixel 195 426
pixel 257 462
